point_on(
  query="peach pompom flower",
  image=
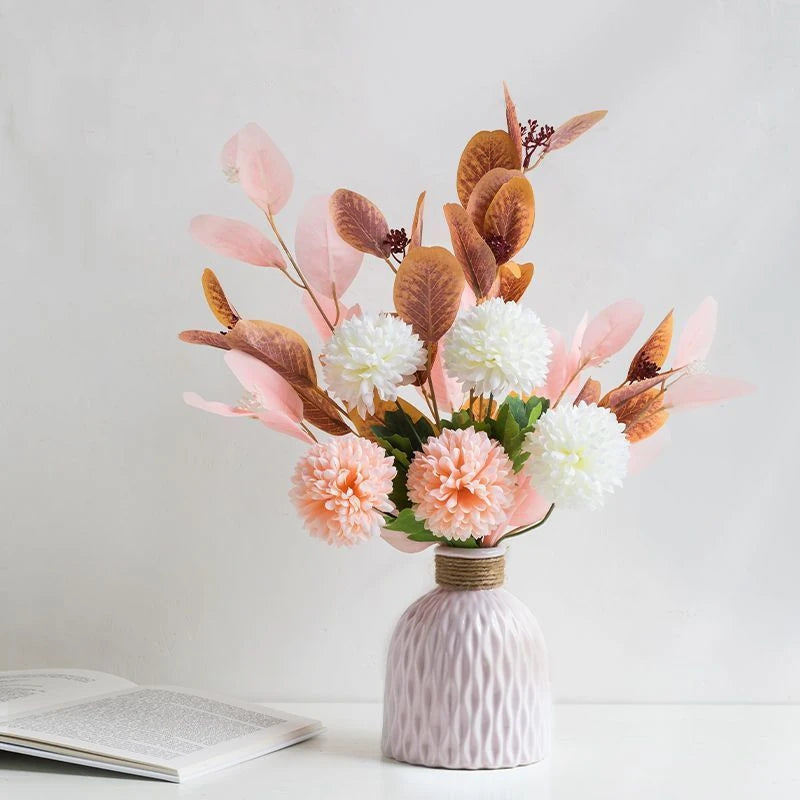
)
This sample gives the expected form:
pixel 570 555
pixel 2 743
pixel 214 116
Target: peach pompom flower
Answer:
pixel 462 484
pixel 341 489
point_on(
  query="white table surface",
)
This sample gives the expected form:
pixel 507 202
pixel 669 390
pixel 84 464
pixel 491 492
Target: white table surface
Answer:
pixel 600 751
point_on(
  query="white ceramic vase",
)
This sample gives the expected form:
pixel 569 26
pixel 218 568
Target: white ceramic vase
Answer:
pixel 467 683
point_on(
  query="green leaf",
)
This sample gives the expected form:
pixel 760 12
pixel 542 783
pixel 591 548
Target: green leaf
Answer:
pixel 515 419
pixel 517 408
pixel 402 455
pixel 536 406
pixel 399 493
pixel 408 523
pixel 399 423
pixel 458 421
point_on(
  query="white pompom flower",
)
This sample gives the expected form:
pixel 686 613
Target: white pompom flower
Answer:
pixel 497 348
pixel 578 455
pixel 371 353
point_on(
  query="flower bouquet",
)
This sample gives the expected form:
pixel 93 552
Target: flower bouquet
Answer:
pixel 500 422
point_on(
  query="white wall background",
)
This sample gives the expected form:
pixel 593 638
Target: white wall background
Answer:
pixel 147 539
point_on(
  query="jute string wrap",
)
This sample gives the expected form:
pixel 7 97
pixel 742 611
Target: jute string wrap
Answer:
pixel 470 573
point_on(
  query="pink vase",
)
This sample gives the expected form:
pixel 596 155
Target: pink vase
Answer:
pixel 467 684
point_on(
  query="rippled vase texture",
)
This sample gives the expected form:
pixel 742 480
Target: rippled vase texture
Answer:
pixel 467 683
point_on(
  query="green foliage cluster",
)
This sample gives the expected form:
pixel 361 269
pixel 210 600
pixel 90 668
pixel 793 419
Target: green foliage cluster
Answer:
pixel 401 438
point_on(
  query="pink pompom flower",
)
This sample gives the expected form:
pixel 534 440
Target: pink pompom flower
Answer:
pixel 462 484
pixel 341 489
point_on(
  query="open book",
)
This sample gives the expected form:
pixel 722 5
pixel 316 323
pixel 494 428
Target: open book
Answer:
pixel 103 721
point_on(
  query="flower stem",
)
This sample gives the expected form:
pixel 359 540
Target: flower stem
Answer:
pixel 519 531
pixel 537 162
pixel 292 280
pixel 308 431
pixel 427 398
pixel 336 302
pixel 435 405
pixel 297 269
pixel 581 367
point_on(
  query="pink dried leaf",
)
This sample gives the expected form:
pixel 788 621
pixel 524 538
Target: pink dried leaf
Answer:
pixel 269 389
pixel 698 334
pixel 276 405
pixel 529 507
pixel 577 340
pixel 329 307
pixel 573 128
pixel 214 407
pixel 610 331
pixel 468 299
pixel 235 239
pixel 691 391
pixel 252 158
pixel 328 262
pixel 273 420
pixel 400 541
pixel 276 421
pixel 557 374
pixel 449 394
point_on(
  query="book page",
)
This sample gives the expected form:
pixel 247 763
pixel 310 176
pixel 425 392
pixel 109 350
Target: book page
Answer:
pixel 164 727
pixel 32 689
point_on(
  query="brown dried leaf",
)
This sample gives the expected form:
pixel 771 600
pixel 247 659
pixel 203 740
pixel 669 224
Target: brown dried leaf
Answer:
pixel 483 194
pixel 475 256
pixel 210 338
pixel 573 128
pixel 359 222
pixel 287 353
pixel 321 412
pixel 616 397
pixel 484 151
pixel 412 412
pixel 279 347
pixel 590 393
pixel 416 225
pixel 640 406
pixel 427 291
pixel 646 426
pixel 510 215
pixel 215 297
pixel 514 279
pixel 512 123
pixel 363 426
pixel 653 353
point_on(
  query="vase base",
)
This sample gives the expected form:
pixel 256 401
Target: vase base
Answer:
pixel 466 767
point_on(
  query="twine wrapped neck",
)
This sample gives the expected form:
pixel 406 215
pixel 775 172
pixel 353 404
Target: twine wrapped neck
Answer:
pixel 470 573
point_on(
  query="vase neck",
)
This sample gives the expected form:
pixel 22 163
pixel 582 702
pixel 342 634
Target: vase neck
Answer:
pixel 469 570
